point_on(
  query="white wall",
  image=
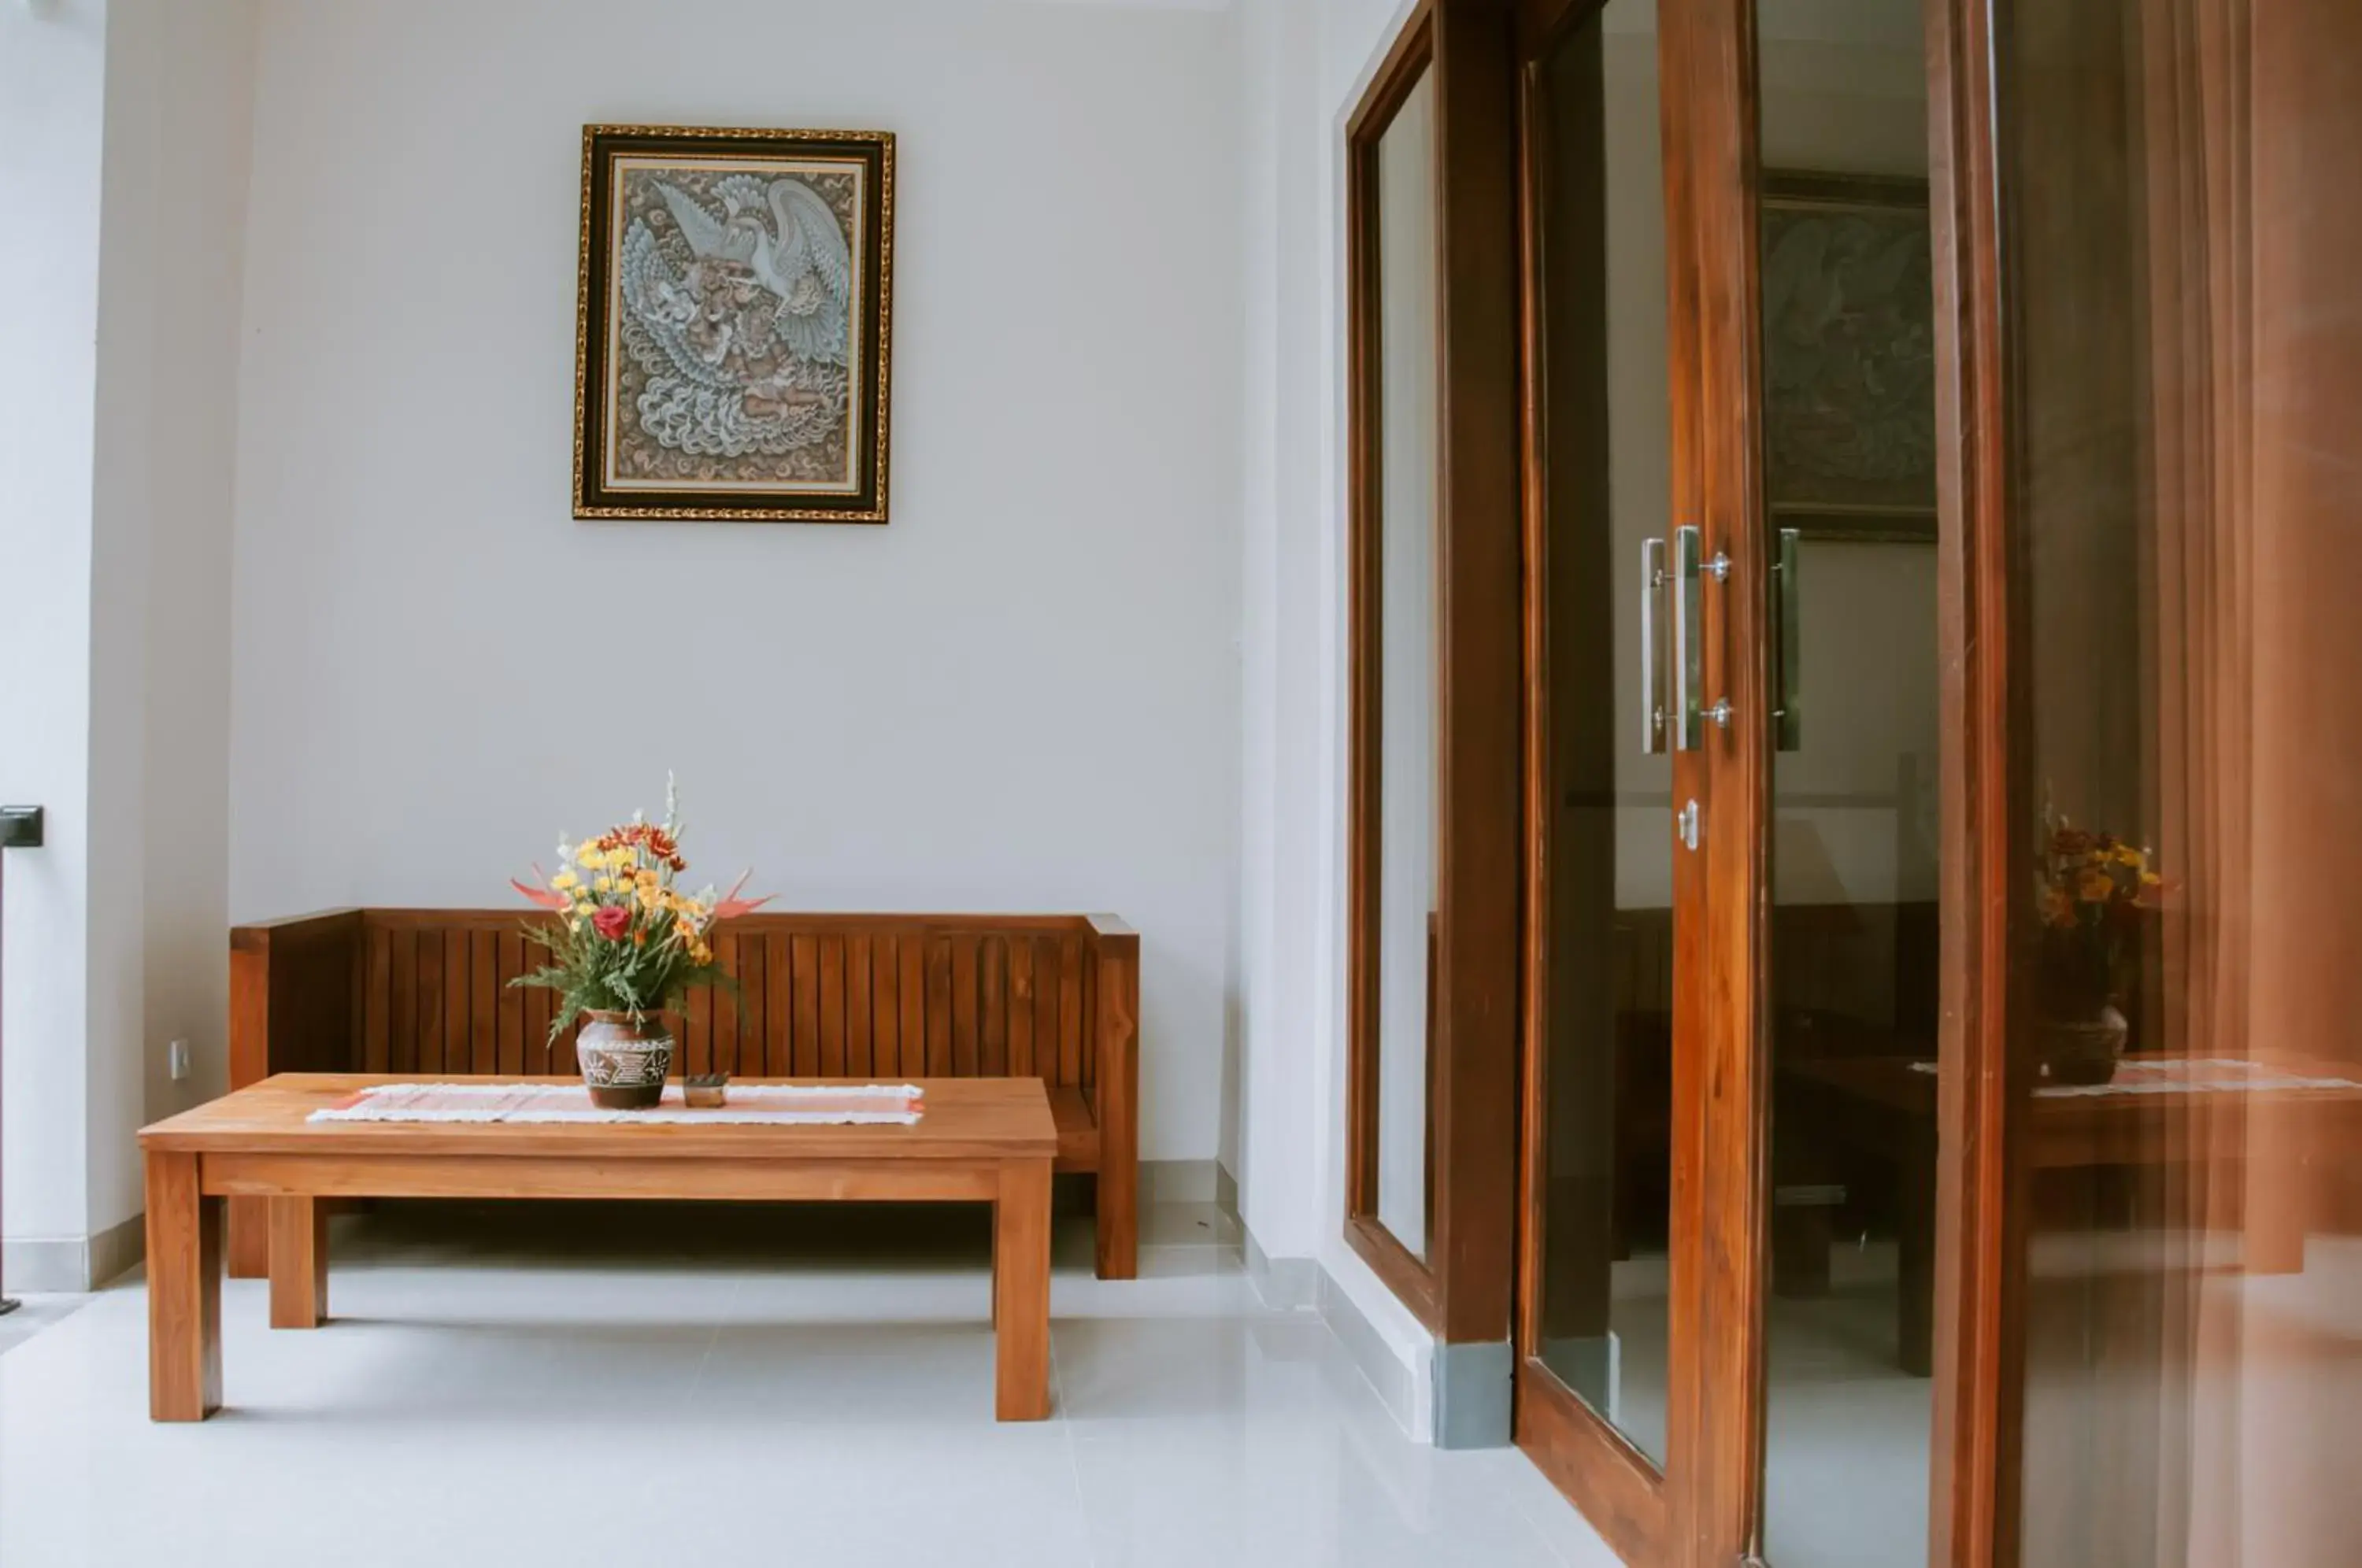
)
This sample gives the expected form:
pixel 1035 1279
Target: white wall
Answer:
pixel 179 101
pixel 1020 694
pixel 1283 971
pixel 53 74
pixel 1312 60
pixel 124 172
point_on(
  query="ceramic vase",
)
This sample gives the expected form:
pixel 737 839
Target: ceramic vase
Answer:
pixel 624 1061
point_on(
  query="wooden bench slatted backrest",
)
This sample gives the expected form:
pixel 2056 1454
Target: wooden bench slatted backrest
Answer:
pixel 883 996
pixel 908 1000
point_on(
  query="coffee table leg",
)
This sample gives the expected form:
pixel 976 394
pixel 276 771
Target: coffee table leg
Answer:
pixel 247 1239
pixel 299 1263
pixel 184 1275
pixel 1021 1291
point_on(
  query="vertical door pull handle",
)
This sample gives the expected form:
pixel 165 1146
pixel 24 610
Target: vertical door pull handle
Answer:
pixel 1652 647
pixel 1788 650
pixel 1689 669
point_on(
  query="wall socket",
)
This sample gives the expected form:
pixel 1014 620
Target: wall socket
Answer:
pixel 176 1058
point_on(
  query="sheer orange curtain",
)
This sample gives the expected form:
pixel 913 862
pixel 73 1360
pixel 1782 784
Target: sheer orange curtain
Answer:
pixel 2187 251
pixel 2299 1344
pixel 2250 130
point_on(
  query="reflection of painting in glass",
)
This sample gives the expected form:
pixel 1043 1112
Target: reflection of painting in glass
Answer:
pixel 1848 350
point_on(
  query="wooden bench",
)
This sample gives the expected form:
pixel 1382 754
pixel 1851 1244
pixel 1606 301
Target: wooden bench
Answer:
pixel 979 1140
pixel 866 997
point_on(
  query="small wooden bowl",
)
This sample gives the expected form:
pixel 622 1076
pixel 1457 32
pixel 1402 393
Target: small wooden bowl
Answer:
pixel 706 1090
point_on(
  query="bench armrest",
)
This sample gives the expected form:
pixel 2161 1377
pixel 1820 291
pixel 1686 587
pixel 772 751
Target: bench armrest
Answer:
pixel 291 994
pixel 1116 1038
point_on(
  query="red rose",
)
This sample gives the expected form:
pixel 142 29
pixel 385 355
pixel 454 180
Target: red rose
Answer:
pixel 611 921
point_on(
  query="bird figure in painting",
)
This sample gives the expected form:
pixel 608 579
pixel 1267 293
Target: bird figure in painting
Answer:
pixel 800 256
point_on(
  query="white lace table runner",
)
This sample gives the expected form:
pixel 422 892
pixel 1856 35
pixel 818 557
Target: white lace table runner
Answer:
pixel 773 1104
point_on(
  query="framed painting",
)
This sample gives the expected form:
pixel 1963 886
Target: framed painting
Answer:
pixel 1849 355
pixel 733 329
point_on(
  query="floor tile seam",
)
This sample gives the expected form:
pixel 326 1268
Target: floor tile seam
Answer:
pixel 1058 1413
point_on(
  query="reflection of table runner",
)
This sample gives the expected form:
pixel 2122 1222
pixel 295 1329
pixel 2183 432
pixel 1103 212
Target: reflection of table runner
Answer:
pixel 768 1104
pixel 2197 1075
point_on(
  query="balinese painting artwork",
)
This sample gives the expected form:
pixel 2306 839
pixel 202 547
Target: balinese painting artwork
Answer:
pixel 1848 355
pixel 734 323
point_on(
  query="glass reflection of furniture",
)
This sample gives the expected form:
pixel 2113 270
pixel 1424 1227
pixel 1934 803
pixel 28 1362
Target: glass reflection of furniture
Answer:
pixel 2160 1109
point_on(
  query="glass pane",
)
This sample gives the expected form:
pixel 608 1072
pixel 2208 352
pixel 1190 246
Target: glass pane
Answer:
pixel 1607 922
pixel 2187 339
pixel 1849 480
pixel 1408 681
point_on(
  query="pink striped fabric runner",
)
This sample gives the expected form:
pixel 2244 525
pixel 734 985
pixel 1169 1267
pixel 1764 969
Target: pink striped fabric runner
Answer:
pixel 772 1104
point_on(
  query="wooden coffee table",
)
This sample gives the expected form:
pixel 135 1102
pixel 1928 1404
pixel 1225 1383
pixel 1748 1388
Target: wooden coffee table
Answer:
pixel 985 1140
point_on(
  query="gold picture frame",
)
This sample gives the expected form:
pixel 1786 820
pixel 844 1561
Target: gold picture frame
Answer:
pixel 734 324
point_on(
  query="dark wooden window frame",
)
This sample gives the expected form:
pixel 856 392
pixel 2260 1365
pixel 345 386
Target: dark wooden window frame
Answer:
pixel 1461 1290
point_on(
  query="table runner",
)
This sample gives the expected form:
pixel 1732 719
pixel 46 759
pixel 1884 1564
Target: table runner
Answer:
pixel 770 1104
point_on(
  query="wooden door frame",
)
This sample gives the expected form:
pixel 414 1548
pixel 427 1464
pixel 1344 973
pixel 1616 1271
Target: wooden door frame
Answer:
pixel 1460 1289
pixel 1636 1503
pixel 1986 736
pixel 1980 1217
pixel 1725 1497
pixel 1707 1508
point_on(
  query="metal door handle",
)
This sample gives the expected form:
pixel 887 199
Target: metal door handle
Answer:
pixel 1787 708
pixel 1688 668
pixel 1652 647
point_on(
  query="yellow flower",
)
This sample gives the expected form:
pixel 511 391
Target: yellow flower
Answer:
pixel 585 907
pixel 2094 887
pixel 566 882
pixel 588 856
pixel 646 879
pixel 700 953
pixel 2129 857
pixel 621 855
pixel 602 885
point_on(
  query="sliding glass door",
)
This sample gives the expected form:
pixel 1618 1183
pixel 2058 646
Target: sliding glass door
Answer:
pixel 1615 604
pixel 1942 1108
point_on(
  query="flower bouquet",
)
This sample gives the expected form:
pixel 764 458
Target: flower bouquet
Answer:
pixel 625 947
pixel 2093 891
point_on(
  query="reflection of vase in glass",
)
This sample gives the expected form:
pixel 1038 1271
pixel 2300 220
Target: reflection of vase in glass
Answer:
pixel 2093 891
pixel 2079 1033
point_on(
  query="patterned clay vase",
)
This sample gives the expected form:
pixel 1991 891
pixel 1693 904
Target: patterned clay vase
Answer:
pixel 623 1062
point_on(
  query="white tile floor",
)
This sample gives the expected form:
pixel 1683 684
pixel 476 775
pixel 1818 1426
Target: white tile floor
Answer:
pixel 601 1388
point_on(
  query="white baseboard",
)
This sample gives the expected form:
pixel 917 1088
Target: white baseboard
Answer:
pixel 72 1265
pixel 1286 1284
pixel 1395 1384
